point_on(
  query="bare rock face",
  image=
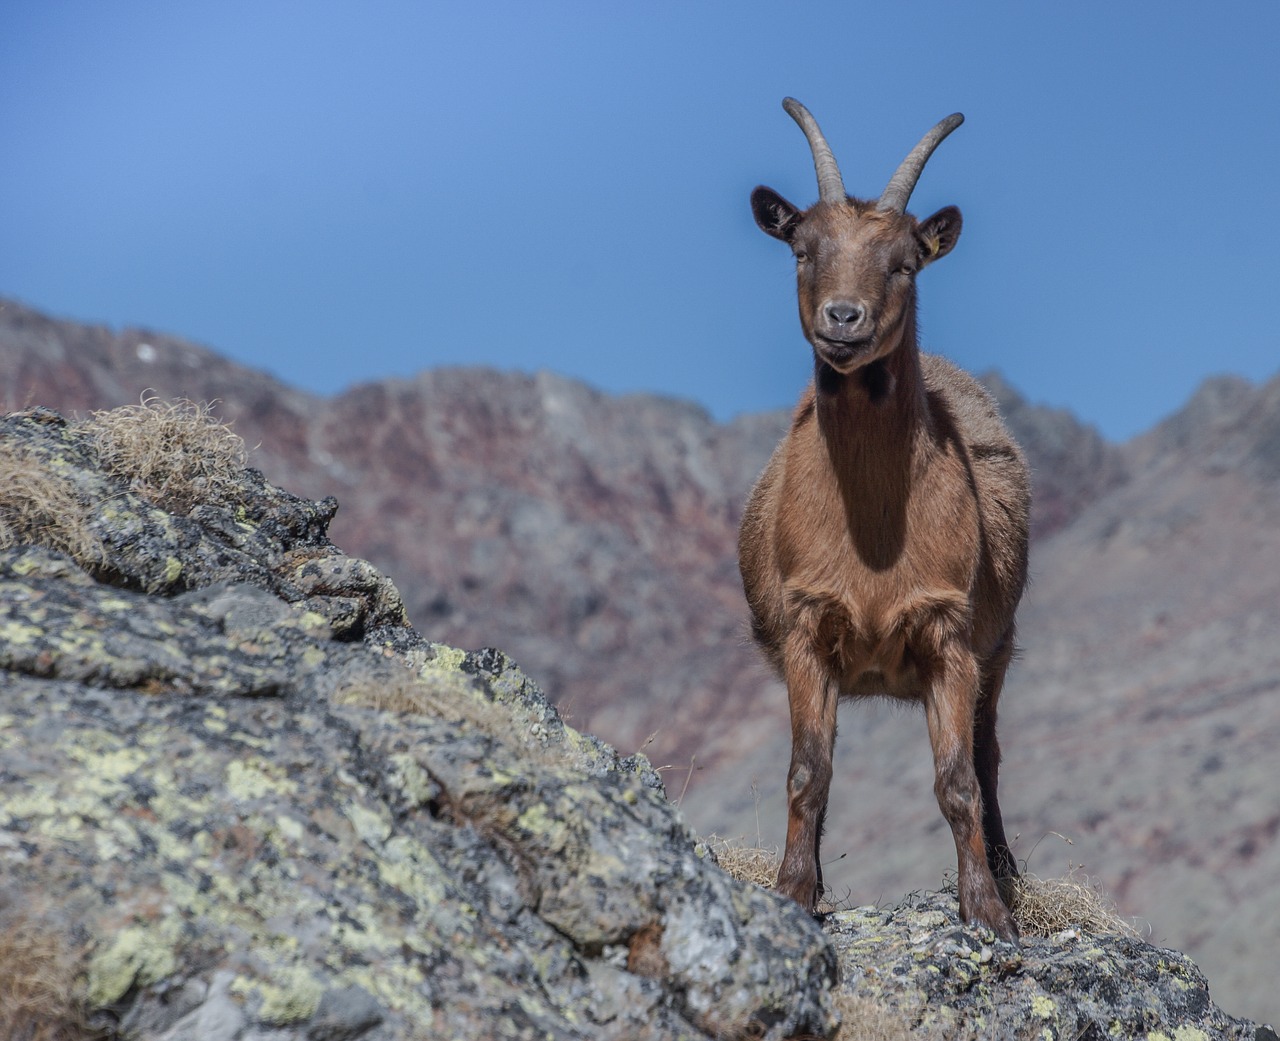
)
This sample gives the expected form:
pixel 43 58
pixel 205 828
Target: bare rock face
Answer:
pixel 917 960
pixel 246 801
pixel 264 807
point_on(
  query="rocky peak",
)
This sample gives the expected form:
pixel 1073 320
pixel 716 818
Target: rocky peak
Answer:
pixel 244 800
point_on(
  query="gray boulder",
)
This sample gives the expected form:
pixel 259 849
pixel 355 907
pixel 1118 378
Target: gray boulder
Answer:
pixel 256 804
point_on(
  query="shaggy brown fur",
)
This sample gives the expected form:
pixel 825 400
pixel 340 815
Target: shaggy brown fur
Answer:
pixel 884 548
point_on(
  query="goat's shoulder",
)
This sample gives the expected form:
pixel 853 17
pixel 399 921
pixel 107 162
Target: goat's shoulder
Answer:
pixel 968 406
pixel 1002 482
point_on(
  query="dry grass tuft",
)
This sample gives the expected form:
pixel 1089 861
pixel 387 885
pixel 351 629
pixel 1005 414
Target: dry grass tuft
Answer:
pixel 745 863
pixel 42 508
pixel 1043 907
pixel 174 453
pixel 759 866
pixel 41 985
pixel 862 1019
pixel 446 695
pixel 405 694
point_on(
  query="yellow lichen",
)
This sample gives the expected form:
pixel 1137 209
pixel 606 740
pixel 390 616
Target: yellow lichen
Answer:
pixel 409 776
pixel 1043 1007
pixel 292 995
pixel 113 765
pixel 249 779
pixel 172 569
pixel 447 659
pixel 314 657
pixel 133 954
pixel 313 621
pixel 537 820
pixel 290 828
pixel 17 632
pixel 371 826
pixel 409 867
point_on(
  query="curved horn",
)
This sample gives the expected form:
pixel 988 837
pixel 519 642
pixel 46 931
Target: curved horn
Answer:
pixel 830 183
pixel 898 191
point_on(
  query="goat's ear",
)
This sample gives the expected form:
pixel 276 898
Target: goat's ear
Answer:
pixel 774 214
pixel 938 234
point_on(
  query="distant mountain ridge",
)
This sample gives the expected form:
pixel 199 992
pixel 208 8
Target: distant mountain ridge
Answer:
pixel 528 509
pixel 593 537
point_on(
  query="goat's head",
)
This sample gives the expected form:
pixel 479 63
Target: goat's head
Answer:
pixel 856 261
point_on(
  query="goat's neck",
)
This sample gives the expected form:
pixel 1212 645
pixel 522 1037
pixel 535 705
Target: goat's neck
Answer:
pixel 874 425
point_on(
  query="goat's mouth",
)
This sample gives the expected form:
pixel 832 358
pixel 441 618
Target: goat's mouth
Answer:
pixel 844 355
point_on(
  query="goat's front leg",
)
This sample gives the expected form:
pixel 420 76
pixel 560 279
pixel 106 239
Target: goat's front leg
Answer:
pixel 812 698
pixel 950 703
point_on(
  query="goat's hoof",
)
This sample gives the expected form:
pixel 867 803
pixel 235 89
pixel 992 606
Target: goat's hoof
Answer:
pixel 803 893
pixel 1010 934
pixel 1005 928
pixel 998 919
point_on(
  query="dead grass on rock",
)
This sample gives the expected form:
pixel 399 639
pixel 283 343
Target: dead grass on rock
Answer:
pixel 759 866
pixel 434 693
pixel 403 692
pixel 39 507
pixel 862 1019
pixel 176 454
pixel 745 863
pixel 41 984
pixel 1045 906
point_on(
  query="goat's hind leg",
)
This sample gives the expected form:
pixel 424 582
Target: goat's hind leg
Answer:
pixel 986 763
pixel 812 699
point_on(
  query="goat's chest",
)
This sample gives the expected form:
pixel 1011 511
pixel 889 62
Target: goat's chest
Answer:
pixel 879 584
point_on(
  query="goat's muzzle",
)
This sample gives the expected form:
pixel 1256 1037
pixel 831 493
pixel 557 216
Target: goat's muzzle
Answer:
pixel 844 355
pixel 844 333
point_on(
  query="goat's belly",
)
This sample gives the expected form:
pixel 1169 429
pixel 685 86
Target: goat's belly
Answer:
pixel 881 648
pixel 905 683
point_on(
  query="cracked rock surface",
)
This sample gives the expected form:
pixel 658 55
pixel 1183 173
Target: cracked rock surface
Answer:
pixel 266 807
pixel 257 805
pixel 948 980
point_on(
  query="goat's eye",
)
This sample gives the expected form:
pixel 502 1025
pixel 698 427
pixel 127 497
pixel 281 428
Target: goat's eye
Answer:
pixel 801 256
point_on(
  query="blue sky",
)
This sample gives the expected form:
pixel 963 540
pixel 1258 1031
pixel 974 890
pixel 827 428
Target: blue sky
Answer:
pixel 340 192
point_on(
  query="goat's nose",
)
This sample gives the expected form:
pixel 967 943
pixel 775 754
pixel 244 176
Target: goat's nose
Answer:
pixel 845 312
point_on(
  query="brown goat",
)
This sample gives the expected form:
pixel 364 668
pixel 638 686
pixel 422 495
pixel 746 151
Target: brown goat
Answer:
pixel 884 548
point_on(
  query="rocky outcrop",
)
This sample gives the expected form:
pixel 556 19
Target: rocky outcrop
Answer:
pixel 265 807
pixel 252 803
pixel 941 979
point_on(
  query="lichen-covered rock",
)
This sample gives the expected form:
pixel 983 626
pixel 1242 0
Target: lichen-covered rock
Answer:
pixel 947 980
pixel 249 802
pixel 263 806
